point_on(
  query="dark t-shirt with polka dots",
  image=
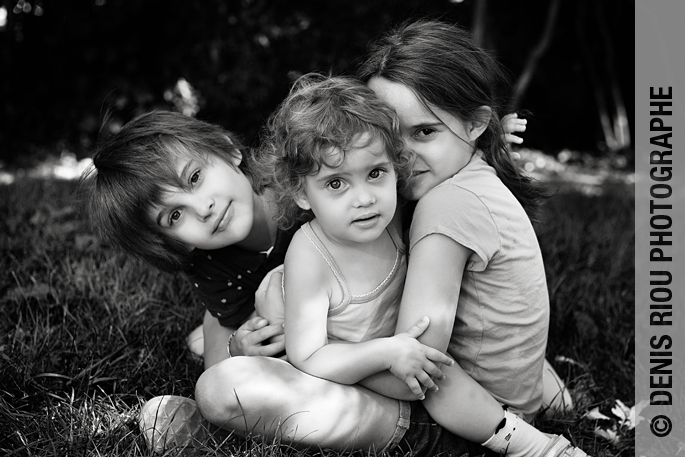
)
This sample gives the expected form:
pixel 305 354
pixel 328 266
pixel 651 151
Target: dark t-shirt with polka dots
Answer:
pixel 225 280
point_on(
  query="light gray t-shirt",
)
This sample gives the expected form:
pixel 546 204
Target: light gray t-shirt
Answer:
pixel 500 332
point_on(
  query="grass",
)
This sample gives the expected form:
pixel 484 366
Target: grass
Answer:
pixel 86 336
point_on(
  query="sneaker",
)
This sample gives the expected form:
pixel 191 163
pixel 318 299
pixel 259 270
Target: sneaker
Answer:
pixel 561 447
pixel 170 421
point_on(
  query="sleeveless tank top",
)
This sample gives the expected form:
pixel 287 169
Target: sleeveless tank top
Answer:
pixel 366 316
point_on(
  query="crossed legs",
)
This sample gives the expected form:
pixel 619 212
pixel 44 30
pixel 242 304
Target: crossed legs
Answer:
pixel 272 399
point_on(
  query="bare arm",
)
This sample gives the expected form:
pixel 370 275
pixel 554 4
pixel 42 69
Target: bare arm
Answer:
pixel 307 301
pixel 432 289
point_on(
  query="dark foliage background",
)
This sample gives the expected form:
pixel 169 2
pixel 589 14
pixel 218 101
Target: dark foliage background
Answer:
pixel 65 64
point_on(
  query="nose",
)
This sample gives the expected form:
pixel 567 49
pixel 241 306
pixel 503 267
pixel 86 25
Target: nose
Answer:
pixel 203 207
pixel 364 196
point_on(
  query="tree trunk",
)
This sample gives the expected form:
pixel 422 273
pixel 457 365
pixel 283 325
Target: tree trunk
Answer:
pixel 531 64
pixel 600 97
pixel 621 126
pixel 478 22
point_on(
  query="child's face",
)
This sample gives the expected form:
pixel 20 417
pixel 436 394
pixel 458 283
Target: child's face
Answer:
pixel 442 144
pixel 215 211
pixel 355 201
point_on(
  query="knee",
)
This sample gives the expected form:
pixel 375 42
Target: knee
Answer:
pixel 215 391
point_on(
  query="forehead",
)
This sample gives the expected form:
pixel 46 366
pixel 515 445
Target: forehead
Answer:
pixel 410 110
pixel 402 99
pixel 366 149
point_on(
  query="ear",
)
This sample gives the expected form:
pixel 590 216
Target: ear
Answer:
pixel 302 201
pixel 475 128
pixel 236 157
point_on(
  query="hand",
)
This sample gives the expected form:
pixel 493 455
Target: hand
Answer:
pixel 257 338
pixel 511 124
pixel 415 363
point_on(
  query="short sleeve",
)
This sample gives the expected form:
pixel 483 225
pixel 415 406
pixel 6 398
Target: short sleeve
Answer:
pixel 229 302
pixel 460 215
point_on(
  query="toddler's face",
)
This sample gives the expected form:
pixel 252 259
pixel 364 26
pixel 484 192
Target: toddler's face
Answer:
pixel 354 202
pixel 215 211
pixel 440 141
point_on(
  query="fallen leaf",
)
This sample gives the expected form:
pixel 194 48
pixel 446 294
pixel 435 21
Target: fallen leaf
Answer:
pixel 610 434
pixel 564 359
pixel 596 415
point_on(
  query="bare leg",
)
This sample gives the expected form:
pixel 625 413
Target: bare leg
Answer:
pixel 463 406
pixel 271 398
pixel 556 397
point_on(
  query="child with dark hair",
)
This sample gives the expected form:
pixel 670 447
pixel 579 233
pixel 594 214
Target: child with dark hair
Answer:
pixel 475 264
pixel 333 149
pixel 179 193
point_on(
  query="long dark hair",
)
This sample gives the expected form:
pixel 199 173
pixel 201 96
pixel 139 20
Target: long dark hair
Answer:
pixel 444 68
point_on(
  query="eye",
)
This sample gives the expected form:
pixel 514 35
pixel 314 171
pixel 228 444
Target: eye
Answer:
pixel 376 173
pixel 336 185
pixel 194 178
pixel 424 132
pixel 174 216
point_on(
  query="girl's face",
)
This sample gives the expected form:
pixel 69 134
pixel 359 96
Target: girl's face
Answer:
pixel 442 143
pixel 356 201
pixel 217 209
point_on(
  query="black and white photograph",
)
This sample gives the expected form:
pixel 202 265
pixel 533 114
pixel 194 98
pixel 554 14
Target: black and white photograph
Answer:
pixel 367 228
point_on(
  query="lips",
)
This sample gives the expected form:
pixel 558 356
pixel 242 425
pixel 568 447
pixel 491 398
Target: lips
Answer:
pixel 221 219
pixel 366 219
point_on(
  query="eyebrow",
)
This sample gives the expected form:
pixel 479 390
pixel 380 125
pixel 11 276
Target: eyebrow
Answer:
pixel 384 163
pixel 426 124
pixel 184 172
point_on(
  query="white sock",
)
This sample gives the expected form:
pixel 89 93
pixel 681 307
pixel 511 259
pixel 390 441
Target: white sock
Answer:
pixel 517 438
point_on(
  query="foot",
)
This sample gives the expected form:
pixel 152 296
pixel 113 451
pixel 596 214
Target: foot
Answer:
pixel 196 342
pixel 561 447
pixel 170 422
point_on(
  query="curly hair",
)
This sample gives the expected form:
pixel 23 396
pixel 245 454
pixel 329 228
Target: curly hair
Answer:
pixel 320 114
pixel 133 168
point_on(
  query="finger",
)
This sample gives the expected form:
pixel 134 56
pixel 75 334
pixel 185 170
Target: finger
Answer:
pixel 271 349
pixel 265 333
pixel 427 381
pixel 280 337
pixel 519 125
pixel 253 324
pixel 509 138
pixel 509 117
pixel 433 371
pixel 415 387
pixel 436 356
pixel 418 328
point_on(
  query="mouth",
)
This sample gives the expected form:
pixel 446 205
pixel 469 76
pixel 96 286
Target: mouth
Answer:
pixel 366 219
pixel 222 219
